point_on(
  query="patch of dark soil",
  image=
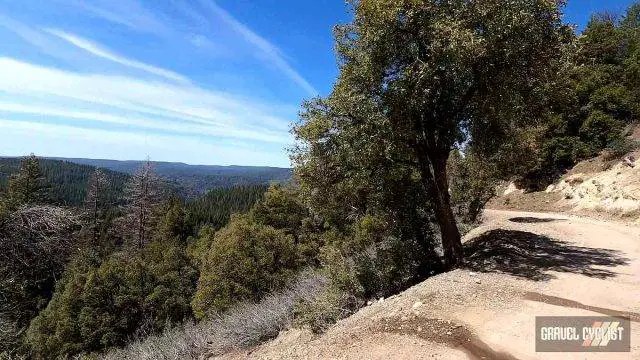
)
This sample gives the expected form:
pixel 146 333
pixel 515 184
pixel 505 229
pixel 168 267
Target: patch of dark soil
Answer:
pixel 534 220
pixel 443 332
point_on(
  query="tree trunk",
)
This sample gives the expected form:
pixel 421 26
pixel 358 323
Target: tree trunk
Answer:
pixel 433 168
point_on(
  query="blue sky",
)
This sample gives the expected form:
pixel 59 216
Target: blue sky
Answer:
pixel 196 81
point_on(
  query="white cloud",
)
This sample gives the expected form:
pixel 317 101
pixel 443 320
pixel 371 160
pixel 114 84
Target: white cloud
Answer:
pixel 176 127
pixel 134 15
pixel 201 41
pixel 74 108
pixel 152 105
pixel 53 140
pixel 186 102
pixel 129 13
pixel 102 52
pixel 265 48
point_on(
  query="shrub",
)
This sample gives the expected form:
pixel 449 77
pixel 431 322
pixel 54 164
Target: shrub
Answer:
pixel 601 129
pixel 244 325
pixel 283 209
pixel 620 147
pixel 99 305
pixel 92 308
pixel 198 247
pixel 246 260
pixel 319 313
pixel 472 184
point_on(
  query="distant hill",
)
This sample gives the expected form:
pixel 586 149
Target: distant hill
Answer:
pixel 67 181
pixel 194 180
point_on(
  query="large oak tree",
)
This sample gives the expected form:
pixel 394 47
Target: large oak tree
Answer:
pixel 418 78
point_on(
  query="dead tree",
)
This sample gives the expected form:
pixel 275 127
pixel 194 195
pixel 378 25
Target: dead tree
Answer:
pixel 36 241
pixel 95 203
pixel 143 194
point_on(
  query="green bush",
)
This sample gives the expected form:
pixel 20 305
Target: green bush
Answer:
pixel 601 129
pixel 616 101
pixel 283 209
pixel 372 260
pixel 620 147
pixel 92 308
pixel 130 293
pixel 246 261
pixel 472 184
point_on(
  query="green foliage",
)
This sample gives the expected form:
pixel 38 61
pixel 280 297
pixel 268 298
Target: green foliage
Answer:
pixel 215 207
pixel 198 247
pixel 92 308
pixel 283 209
pixel 36 241
pixel 246 260
pixel 472 184
pixel 416 79
pixel 319 313
pixel 600 129
pixel 28 186
pixel 97 305
pixel 594 98
pixel 66 183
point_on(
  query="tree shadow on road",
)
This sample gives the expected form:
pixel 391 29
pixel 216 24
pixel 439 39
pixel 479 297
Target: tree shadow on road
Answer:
pixel 532 256
pixel 534 220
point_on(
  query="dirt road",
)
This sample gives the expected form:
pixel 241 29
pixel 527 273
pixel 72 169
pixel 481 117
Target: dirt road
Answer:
pixel 520 265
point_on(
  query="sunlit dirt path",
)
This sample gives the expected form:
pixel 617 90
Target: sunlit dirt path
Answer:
pixel 519 266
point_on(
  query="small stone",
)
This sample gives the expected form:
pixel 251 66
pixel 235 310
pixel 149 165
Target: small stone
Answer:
pixel 381 300
pixel 419 328
pixel 404 318
pixel 471 273
pixel 449 333
pixel 369 303
pixel 478 281
pixel 416 305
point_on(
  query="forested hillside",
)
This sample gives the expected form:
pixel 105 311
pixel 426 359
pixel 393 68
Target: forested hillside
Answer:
pixel 132 247
pixel 66 182
pixel 194 180
pixel 216 206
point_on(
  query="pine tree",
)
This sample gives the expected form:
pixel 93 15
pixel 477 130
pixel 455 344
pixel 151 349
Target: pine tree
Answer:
pixel 28 185
pixel 142 195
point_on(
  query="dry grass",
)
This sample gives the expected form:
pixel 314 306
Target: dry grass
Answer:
pixel 245 325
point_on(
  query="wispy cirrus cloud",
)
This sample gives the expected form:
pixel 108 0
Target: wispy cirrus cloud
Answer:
pixel 145 123
pixel 129 13
pixel 94 143
pixel 135 16
pixel 102 52
pixel 163 106
pixel 227 98
pixel 271 54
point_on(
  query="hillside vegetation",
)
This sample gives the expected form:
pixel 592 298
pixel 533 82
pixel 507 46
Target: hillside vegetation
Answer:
pixel 66 182
pixel 435 103
pixel 194 180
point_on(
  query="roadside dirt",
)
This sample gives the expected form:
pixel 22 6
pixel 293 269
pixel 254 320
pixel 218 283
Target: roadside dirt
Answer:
pixel 602 187
pixel 520 265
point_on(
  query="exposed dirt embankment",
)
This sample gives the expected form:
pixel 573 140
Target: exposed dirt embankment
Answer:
pixel 596 187
pixel 519 266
